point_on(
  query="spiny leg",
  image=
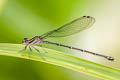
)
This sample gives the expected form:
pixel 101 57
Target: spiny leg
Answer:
pixel 23 49
pixel 39 53
pixel 43 48
pixel 30 51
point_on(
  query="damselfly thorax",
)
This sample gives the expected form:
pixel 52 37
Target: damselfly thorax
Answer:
pixel 33 40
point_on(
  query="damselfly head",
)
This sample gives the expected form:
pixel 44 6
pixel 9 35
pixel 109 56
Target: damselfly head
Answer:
pixel 24 41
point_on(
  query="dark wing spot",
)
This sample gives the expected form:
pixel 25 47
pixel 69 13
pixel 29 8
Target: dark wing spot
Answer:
pixel 88 16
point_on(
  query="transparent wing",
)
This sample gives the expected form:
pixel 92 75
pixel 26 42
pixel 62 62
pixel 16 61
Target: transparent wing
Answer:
pixel 73 27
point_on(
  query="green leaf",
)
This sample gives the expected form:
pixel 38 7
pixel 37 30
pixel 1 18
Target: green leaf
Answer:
pixel 61 59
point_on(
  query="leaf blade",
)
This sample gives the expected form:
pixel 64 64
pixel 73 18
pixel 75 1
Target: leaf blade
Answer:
pixel 63 60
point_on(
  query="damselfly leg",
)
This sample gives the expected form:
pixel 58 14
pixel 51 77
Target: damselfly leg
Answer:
pixel 24 49
pixel 39 52
pixel 30 51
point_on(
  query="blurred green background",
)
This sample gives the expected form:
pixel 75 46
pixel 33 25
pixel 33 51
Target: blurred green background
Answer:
pixel 28 18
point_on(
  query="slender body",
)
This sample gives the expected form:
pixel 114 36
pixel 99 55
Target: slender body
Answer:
pixel 65 30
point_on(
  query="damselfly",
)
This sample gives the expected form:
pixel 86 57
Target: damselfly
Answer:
pixel 73 27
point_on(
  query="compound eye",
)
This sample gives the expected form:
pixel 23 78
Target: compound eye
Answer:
pixel 25 40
